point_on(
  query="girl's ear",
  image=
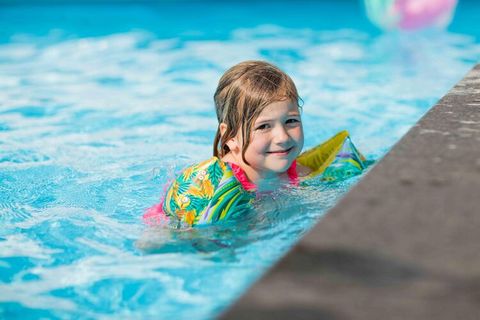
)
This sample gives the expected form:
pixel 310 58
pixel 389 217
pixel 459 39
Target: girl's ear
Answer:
pixel 232 143
pixel 223 128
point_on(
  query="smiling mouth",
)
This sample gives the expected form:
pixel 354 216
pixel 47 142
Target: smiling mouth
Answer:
pixel 281 152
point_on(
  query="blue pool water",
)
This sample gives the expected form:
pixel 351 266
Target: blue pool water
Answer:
pixel 100 105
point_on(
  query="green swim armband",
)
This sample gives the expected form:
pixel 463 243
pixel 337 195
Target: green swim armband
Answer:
pixel 206 193
pixel 335 159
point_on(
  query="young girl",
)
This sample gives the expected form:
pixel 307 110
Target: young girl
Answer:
pixel 260 132
pixel 255 150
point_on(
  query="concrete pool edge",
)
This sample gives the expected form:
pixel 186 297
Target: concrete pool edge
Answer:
pixel 402 244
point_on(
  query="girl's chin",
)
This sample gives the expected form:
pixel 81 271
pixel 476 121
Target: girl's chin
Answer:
pixel 280 168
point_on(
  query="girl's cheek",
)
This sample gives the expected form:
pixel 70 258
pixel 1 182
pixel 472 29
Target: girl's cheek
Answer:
pixel 260 143
pixel 297 132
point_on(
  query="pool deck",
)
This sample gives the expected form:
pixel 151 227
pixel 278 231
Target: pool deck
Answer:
pixel 404 243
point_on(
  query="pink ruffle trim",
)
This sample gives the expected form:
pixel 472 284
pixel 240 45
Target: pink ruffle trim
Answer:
pixel 155 216
pixel 250 186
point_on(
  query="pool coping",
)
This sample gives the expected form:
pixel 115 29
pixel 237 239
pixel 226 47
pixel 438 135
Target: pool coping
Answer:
pixel 402 243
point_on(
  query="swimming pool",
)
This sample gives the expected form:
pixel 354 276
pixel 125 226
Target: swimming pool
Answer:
pixel 96 117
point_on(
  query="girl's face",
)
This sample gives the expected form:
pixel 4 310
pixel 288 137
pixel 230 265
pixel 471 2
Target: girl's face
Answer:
pixel 276 140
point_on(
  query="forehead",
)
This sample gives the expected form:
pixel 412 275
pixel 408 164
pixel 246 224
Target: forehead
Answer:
pixel 278 108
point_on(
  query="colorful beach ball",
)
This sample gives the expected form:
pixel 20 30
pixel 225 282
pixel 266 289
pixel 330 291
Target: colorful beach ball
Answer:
pixel 410 14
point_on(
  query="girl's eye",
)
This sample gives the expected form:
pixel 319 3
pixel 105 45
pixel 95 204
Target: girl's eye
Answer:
pixel 293 120
pixel 264 126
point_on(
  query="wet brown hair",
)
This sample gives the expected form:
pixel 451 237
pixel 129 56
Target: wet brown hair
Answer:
pixel 242 93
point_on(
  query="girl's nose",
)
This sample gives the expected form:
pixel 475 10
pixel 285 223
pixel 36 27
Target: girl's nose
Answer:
pixel 281 134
